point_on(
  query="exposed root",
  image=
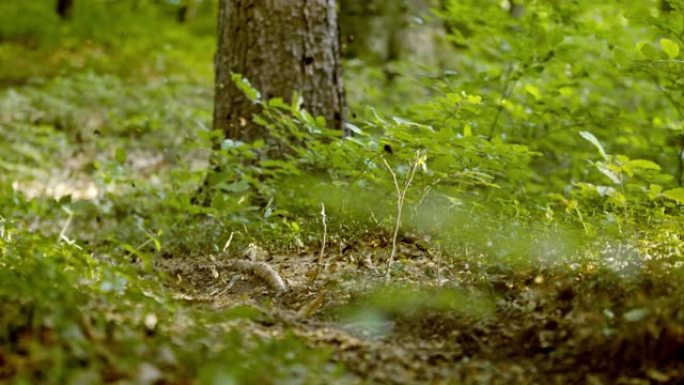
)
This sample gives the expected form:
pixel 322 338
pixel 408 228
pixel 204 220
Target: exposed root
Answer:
pixel 261 270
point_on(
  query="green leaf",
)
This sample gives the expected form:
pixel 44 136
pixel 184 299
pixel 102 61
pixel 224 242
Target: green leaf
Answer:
pixel 647 50
pixel 355 129
pixel 244 86
pixel 533 90
pixel 592 139
pixel 676 194
pixel 670 47
pixel 297 102
pixel 278 103
pixel 402 121
pixel 120 155
pixel 220 201
pixel 474 99
pixel 643 163
pixel 237 187
pixel 654 191
pixel 453 98
pixel 157 244
pixel 610 174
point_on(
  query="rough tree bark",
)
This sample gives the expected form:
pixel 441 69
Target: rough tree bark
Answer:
pixel 64 8
pixel 280 46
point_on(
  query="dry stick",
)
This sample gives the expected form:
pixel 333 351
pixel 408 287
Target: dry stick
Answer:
pixel 62 234
pixel 401 195
pixel 62 237
pixel 261 270
pixel 227 245
pixel 325 235
pixel 312 274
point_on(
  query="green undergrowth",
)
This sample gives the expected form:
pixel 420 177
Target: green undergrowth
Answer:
pixel 137 39
pixel 71 316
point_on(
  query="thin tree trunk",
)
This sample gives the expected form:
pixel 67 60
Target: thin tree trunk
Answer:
pixel 185 11
pixel 64 8
pixel 370 29
pixel 280 46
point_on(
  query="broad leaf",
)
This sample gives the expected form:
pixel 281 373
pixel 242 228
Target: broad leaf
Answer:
pixel 670 47
pixel 676 194
pixel 592 139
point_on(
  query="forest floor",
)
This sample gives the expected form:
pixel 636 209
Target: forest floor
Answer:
pixel 539 327
pixel 457 317
pixel 438 319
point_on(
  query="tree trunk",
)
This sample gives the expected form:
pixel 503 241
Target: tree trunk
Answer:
pixel 64 8
pixel 280 46
pixel 381 31
pixel 370 29
pixel 185 11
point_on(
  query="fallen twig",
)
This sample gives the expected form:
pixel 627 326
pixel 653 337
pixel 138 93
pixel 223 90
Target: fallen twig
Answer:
pixel 325 234
pixel 227 245
pixel 260 270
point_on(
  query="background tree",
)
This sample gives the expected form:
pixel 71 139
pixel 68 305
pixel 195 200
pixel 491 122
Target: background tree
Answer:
pixel 383 31
pixel 185 10
pixel 280 46
pixel 64 8
pixel 370 29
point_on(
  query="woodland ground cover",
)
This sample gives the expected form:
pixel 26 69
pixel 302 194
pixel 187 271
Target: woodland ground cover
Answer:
pixel 512 217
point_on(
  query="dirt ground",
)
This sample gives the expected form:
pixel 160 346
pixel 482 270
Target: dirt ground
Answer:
pixel 541 330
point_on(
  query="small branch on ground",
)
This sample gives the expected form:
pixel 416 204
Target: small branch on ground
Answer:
pixel 312 273
pixel 254 267
pixel 325 235
pixel 263 271
pixel 227 245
